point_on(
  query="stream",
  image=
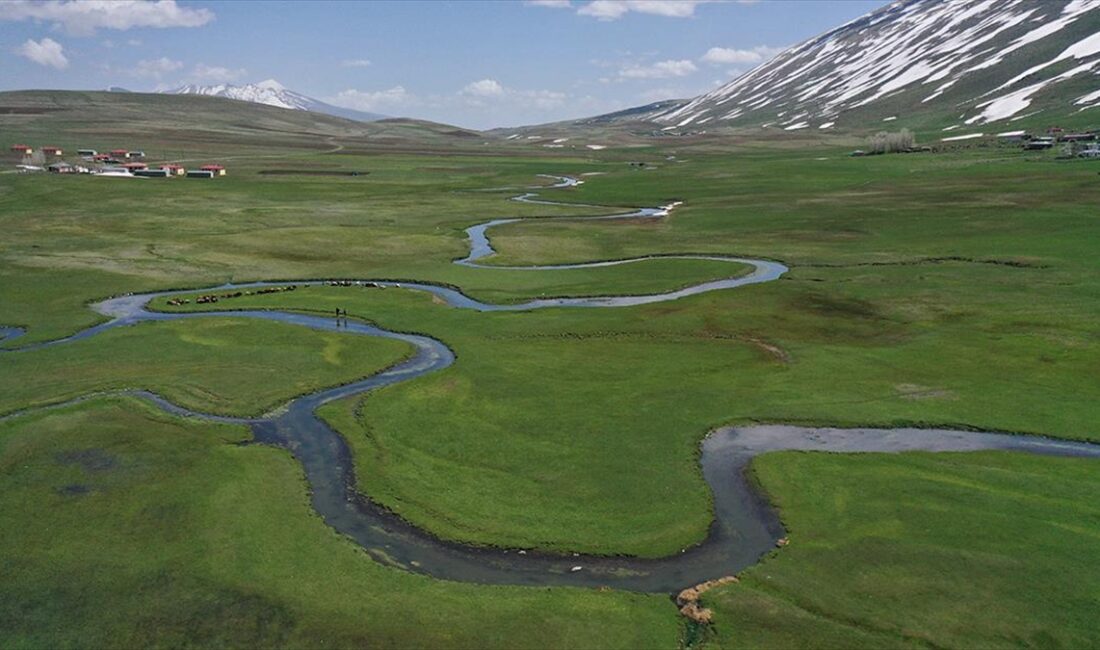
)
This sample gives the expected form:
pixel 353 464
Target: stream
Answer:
pixel 744 527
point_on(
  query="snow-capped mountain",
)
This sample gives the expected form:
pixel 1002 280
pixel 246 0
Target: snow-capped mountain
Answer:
pixel 958 62
pixel 273 93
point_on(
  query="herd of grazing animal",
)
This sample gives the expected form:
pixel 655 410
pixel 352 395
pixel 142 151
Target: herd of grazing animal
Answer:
pixel 210 298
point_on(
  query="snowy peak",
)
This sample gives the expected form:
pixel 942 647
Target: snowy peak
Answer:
pixel 272 85
pixel 273 93
pixel 988 60
pixel 268 92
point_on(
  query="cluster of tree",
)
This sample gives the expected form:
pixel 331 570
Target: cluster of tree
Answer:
pixel 887 142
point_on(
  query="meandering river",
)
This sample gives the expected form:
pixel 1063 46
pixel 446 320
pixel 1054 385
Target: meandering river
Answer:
pixel 745 527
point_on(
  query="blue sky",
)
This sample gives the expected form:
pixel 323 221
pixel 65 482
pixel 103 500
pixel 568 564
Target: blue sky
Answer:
pixel 475 64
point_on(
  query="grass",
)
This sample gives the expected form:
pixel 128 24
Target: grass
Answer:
pixel 213 365
pixel 954 289
pixel 990 550
pixel 136 529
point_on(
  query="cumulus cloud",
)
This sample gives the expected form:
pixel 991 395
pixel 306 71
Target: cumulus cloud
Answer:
pixel 486 91
pixel 484 88
pixel 734 56
pixel 215 74
pixel 47 52
pixel 659 70
pixel 155 68
pixel 355 63
pixel 372 100
pixel 540 99
pixel 84 17
pixel 615 9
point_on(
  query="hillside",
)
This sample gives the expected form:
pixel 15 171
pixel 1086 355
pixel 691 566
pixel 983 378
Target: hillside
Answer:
pixel 167 125
pixel 927 63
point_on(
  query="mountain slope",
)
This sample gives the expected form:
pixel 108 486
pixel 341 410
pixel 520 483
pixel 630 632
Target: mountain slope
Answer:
pixel 273 93
pixel 956 63
pixel 168 126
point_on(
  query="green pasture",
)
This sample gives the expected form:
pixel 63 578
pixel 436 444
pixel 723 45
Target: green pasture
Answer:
pixel 952 289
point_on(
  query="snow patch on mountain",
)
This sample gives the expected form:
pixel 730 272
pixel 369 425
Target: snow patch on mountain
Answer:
pixel 273 93
pixel 927 48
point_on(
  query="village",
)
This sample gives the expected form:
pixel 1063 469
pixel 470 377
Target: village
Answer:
pixel 1083 144
pixel 116 163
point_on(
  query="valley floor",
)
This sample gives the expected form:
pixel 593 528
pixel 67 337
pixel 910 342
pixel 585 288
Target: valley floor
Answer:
pixel 954 290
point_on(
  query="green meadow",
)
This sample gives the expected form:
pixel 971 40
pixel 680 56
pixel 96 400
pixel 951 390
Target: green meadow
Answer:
pixel 955 289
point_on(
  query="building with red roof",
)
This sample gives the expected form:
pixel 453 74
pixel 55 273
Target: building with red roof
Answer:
pixel 217 169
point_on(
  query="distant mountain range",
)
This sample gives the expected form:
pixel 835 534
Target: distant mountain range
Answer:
pixel 273 93
pixel 944 64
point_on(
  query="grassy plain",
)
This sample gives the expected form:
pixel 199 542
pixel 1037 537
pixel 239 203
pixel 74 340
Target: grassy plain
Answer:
pixel 137 529
pixel 981 550
pixel 955 289
pixel 229 366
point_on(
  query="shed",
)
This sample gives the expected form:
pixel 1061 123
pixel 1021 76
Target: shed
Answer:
pixel 86 152
pixel 217 170
pixel 62 168
pixel 52 151
pixel 174 170
pixel 135 166
pixel 151 173
pixel 22 148
pixel 120 153
pixel 135 154
pixel 200 173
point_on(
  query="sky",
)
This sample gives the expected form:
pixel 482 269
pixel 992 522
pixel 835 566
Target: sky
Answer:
pixel 473 64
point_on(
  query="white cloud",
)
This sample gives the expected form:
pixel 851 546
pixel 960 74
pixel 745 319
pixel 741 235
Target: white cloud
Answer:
pixel 373 100
pixel 484 88
pixel 155 68
pixel 540 99
pixel 355 63
pixel 615 9
pixel 480 93
pixel 659 70
pixel 729 55
pixel 46 52
pixel 552 4
pixel 215 74
pixel 84 17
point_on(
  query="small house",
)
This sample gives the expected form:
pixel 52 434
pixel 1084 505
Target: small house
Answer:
pixel 87 153
pixel 119 153
pixel 135 166
pixel 200 173
pixel 217 170
pixel 151 173
pixel 22 149
pixel 1078 137
pixel 1036 144
pixel 101 157
pixel 174 170
pixel 52 151
pixel 135 154
pixel 61 168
